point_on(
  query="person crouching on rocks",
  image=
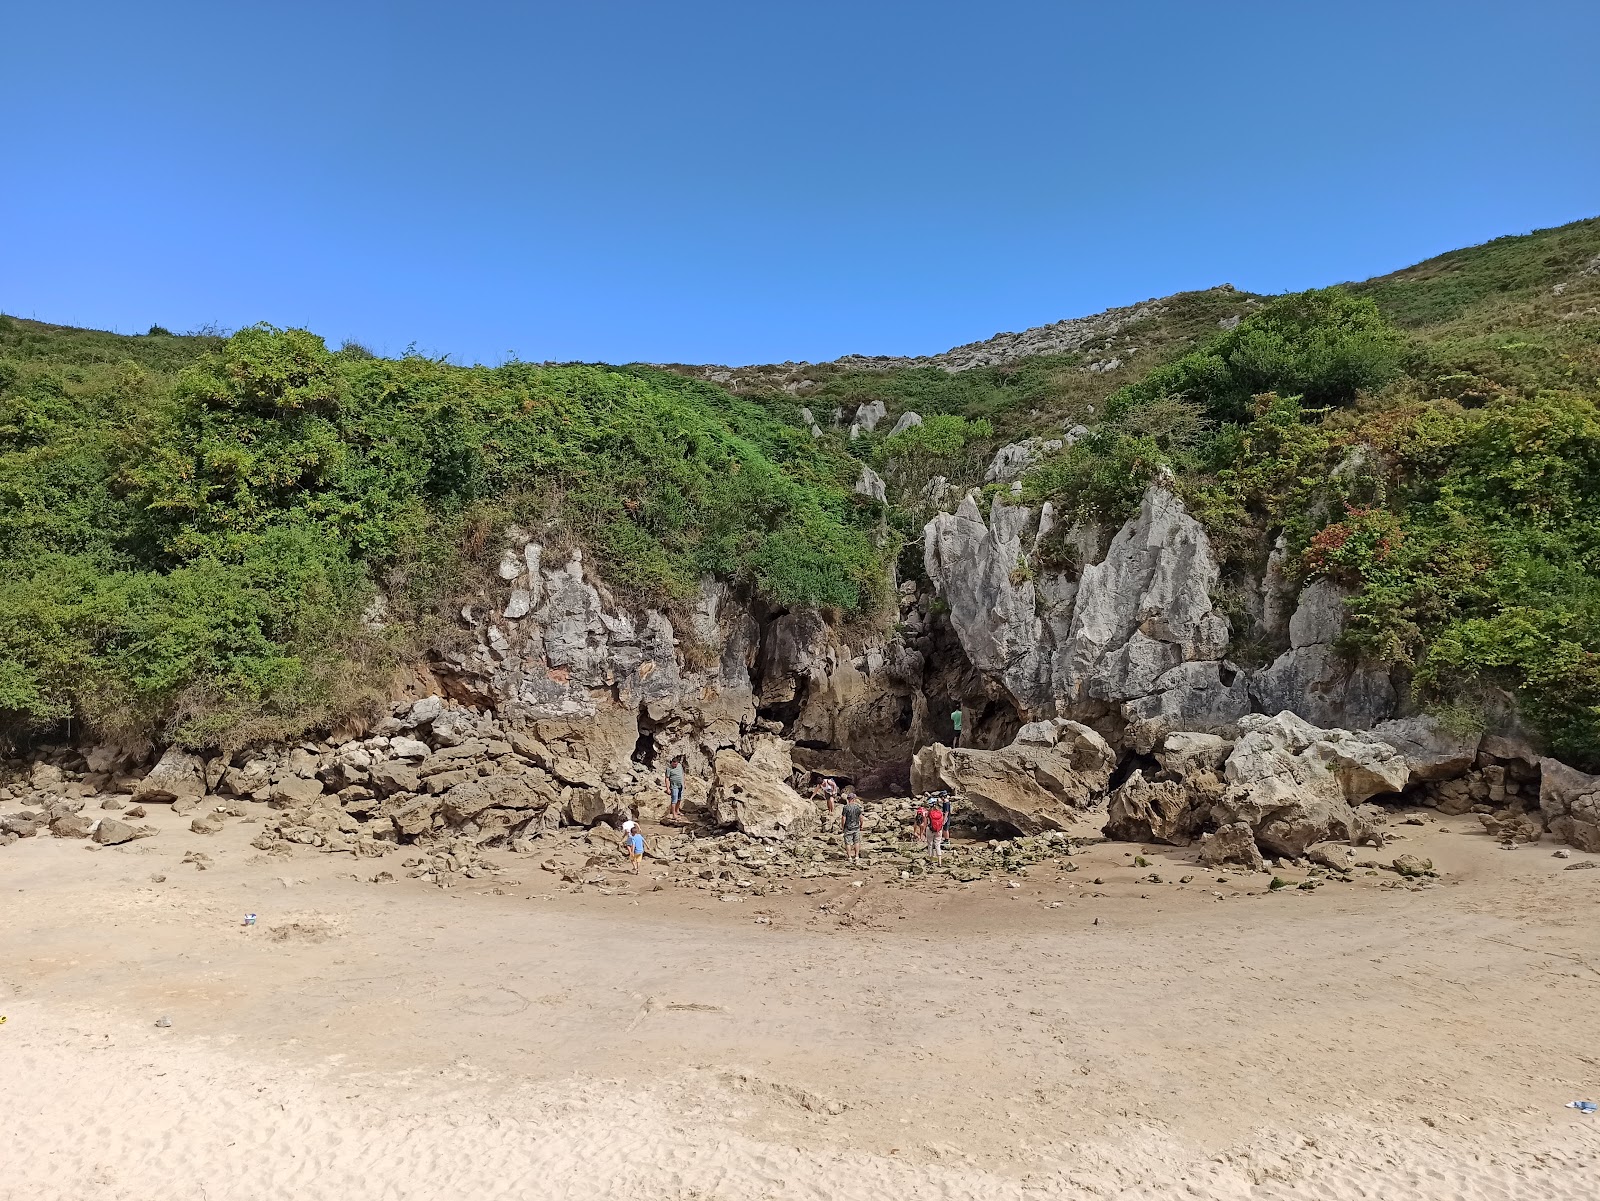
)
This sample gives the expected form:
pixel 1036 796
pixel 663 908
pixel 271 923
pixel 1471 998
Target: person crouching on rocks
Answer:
pixel 850 826
pixel 675 787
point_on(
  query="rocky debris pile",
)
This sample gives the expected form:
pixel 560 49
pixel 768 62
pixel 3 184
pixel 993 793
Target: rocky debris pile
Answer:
pixel 738 864
pixel 1280 788
pixel 1049 776
pixel 65 818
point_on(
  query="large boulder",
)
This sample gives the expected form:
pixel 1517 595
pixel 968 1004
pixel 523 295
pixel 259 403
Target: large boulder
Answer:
pixel 1431 752
pixel 1293 784
pixel 1042 781
pixel 177 774
pixel 1570 802
pixel 1177 804
pixel 754 794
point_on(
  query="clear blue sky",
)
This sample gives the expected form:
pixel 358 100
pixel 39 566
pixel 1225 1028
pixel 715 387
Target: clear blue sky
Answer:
pixel 748 182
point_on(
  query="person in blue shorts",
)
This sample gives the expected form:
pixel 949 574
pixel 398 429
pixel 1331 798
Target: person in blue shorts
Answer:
pixel 635 850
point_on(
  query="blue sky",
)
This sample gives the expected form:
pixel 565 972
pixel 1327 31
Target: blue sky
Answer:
pixel 749 182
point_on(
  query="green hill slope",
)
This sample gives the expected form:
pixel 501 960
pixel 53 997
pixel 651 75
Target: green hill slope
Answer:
pixel 191 528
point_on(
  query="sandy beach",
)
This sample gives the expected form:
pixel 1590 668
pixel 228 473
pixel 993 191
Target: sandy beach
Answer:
pixel 1043 1036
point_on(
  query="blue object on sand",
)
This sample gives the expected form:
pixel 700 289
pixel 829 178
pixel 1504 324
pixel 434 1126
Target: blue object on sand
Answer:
pixel 1583 1106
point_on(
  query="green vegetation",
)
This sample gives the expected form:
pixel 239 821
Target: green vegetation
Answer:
pixel 1448 475
pixel 193 527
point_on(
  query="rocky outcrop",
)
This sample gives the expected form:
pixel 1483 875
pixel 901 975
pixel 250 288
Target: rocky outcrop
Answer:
pixel 1047 777
pixel 1286 782
pixel 177 774
pixel 1133 641
pixel 1177 803
pixel 1293 784
pixel 982 573
pixel 1011 461
pixel 1570 802
pixel 1431 751
pixel 1314 678
pixel 870 485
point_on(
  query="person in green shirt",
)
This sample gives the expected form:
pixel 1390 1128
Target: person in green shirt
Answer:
pixel 955 720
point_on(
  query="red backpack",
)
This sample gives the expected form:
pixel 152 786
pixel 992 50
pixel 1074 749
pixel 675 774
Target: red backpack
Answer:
pixel 935 818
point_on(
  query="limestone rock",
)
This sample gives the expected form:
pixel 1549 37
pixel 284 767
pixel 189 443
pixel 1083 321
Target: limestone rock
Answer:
pixel 395 777
pixel 1293 784
pixel 870 485
pixel 409 748
pixel 211 823
pixel 1030 786
pixel 1144 810
pixel 1431 752
pixel 1011 461
pixel 754 795
pixel 176 774
pixel 1232 843
pixel 908 420
pixel 993 604
pixel 1313 678
pixel 1570 802
pixel 294 790
pixel 111 832
pixel 1145 611
pixel 72 825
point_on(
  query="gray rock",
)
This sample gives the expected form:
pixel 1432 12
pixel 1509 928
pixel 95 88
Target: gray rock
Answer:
pixel 1431 752
pixel 72 825
pixel 294 790
pixel 1232 843
pixel 1145 611
pixel 1031 786
pixel 409 748
pixel 754 795
pixel 1293 784
pixel 111 832
pixel 1570 802
pixel 423 712
pixel 177 774
pixel 908 420
pixel 977 569
pixel 395 777
pixel 1313 678
pixel 870 485
pixel 1011 461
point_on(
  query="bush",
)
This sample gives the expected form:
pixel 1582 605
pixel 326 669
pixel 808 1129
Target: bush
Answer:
pixel 1322 346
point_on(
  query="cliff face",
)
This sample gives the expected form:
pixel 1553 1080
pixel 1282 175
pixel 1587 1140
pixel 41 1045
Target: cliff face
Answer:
pixel 1134 642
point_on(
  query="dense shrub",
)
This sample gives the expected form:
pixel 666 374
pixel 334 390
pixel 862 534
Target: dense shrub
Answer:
pixel 1323 346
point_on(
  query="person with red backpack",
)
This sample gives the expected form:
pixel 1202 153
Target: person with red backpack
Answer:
pixel 936 823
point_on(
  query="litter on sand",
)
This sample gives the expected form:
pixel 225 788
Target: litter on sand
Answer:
pixel 1583 1106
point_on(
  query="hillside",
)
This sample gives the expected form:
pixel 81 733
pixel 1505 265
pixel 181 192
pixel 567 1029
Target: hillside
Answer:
pixel 1426 440
pixel 192 527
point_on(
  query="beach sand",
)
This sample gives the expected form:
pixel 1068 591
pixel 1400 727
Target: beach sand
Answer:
pixel 1058 1039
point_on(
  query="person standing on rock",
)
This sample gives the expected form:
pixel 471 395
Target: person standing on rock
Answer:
pixel 850 825
pixel 675 787
pixel 955 721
